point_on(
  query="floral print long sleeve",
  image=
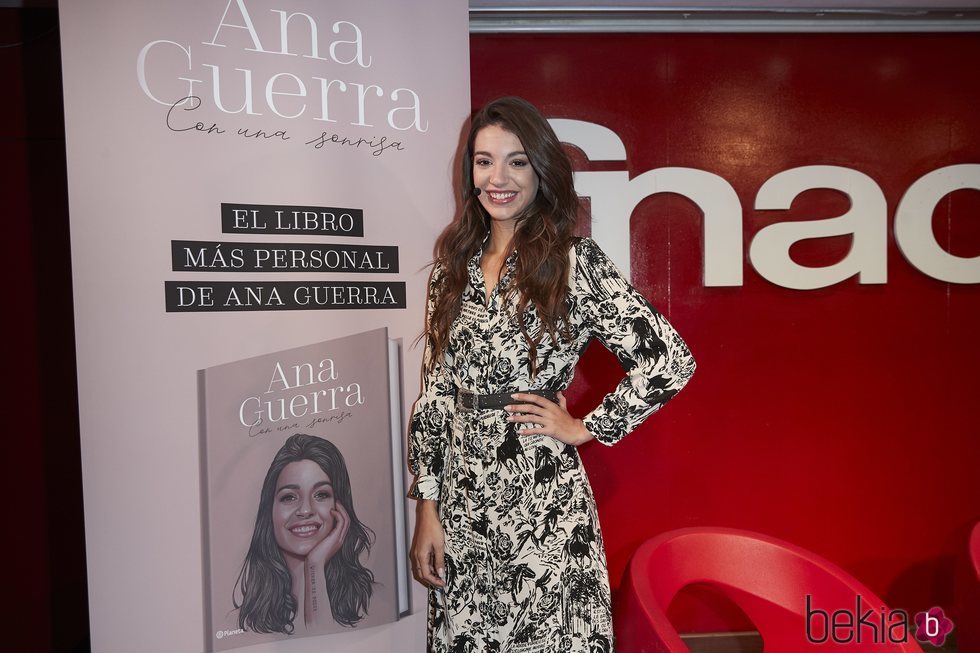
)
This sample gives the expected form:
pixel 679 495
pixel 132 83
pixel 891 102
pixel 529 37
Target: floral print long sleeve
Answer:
pixel 525 565
pixel 657 361
pixel 431 417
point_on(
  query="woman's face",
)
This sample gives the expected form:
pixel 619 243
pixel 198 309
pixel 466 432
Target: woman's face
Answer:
pixel 301 510
pixel 503 172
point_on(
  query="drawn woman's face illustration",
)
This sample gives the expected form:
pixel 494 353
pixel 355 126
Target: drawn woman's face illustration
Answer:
pixel 301 511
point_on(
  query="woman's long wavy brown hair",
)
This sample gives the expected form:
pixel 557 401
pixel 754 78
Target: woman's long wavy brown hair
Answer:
pixel 542 237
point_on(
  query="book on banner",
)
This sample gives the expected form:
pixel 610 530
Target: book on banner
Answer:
pixel 304 491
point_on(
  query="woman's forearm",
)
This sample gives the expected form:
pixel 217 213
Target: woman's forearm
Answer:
pixel 316 607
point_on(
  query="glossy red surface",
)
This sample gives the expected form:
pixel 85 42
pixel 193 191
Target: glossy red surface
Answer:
pixel 842 419
pixel 762 575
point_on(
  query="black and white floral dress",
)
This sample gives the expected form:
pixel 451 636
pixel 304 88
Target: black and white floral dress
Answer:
pixel 525 564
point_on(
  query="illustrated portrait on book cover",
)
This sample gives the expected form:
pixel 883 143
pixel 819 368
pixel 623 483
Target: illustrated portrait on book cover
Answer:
pixel 305 565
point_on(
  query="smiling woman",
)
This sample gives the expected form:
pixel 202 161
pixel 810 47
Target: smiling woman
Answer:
pixel 507 532
pixel 307 545
pixel 503 174
pixel 305 510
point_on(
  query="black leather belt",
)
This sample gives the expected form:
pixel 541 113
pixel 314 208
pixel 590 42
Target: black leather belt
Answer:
pixel 471 401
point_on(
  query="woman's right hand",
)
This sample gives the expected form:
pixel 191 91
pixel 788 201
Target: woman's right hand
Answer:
pixel 323 552
pixel 428 546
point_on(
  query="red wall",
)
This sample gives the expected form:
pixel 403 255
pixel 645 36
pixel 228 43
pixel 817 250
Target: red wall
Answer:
pixel 842 419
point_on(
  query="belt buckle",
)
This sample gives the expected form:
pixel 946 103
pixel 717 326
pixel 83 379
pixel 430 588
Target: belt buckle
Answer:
pixel 467 399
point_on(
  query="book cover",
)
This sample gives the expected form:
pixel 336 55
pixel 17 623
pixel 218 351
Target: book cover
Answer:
pixel 303 492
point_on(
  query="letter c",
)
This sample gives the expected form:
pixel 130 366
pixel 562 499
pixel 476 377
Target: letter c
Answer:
pixel 913 224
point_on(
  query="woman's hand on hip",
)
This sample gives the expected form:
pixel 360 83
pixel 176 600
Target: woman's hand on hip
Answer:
pixel 547 418
pixel 428 546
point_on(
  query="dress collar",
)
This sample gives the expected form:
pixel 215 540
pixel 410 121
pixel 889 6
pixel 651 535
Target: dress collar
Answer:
pixel 476 272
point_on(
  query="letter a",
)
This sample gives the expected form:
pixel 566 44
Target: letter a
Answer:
pixel 247 26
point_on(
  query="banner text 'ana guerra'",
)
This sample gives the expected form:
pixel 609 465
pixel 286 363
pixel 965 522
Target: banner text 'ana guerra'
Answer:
pixel 174 74
pixel 302 392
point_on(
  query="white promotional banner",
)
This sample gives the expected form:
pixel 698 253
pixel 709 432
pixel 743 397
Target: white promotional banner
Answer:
pixel 255 188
